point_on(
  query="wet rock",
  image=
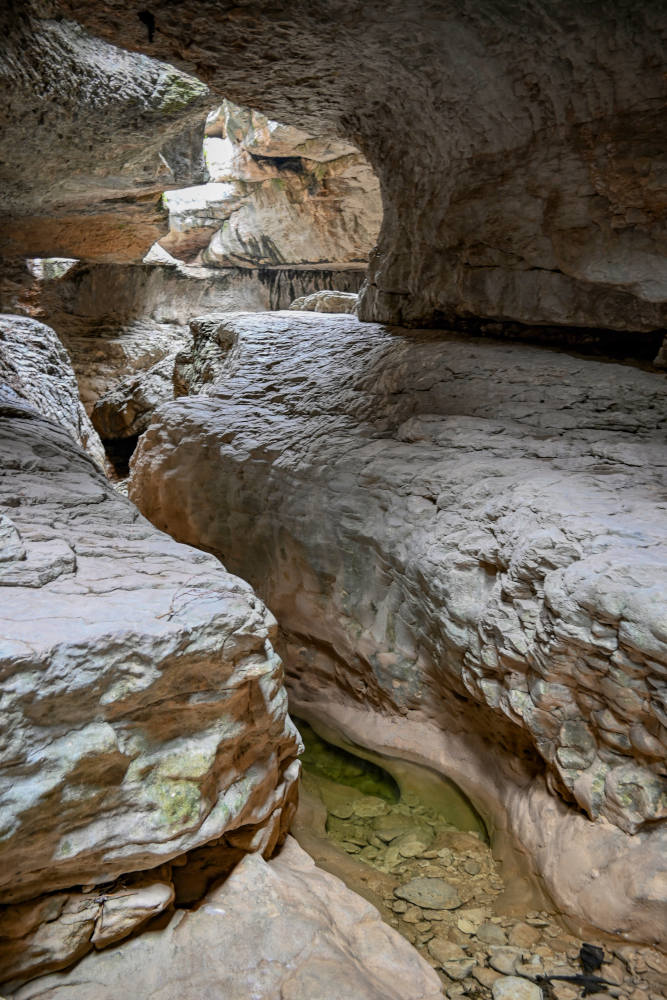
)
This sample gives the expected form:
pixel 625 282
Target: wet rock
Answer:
pixel 370 807
pixel 391 826
pixel 430 893
pixel 513 988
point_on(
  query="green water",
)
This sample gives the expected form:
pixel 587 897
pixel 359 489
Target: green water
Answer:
pixel 410 788
pixel 329 761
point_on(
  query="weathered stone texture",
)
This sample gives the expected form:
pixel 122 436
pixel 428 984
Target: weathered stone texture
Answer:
pixel 91 136
pixel 144 714
pixel 277 196
pixel 282 930
pixel 36 366
pixel 520 146
pixel 467 534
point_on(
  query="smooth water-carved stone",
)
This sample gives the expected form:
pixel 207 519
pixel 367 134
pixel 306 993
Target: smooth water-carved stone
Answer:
pixel 465 538
pixel 284 930
pixel 327 302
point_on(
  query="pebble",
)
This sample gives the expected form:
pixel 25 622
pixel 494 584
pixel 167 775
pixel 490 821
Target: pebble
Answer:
pixel 444 950
pixel 399 906
pixel 491 934
pixel 485 977
pixel 429 893
pixel 413 915
pixel 472 867
pixel 350 848
pixel 342 810
pixel 504 960
pixel 370 806
pixel 524 936
pixel 513 988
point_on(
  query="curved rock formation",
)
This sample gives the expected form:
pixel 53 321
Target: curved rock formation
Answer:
pixel 278 197
pixel 144 717
pixel 520 146
pixel 465 541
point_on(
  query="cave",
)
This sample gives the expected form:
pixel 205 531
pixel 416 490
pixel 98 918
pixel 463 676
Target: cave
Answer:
pixel 333 535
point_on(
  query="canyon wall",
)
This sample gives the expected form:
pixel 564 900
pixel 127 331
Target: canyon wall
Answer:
pixel 462 536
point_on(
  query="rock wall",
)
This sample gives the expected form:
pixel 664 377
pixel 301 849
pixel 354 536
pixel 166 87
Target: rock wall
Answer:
pixel 91 137
pixel 35 366
pixel 519 146
pixel 465 538
pixel 145 738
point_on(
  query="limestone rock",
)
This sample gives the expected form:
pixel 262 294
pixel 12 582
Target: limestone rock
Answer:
pixel 36 366
pixel 277 197
pixel 430 893
pixel 519 146
pixel 327 302
pixel 474 531
pixel 514 988
pixel 283 929
pixel 144 712
pixel 126 409
pixel 121 128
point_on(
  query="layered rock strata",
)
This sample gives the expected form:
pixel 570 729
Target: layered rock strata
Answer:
pixel 282 930
pixel 519 146
pixel 146 739
pixel 91 137
pixel 465 547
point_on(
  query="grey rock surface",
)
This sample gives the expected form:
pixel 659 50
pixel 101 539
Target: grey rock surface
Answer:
pixel 144 714
pixel 520 146
pixel 91 137
pixel 282 930
pixel 37 368
pixel 125 410
pixel 466 534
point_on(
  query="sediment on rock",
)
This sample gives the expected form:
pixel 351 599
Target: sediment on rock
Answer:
pixel 448 535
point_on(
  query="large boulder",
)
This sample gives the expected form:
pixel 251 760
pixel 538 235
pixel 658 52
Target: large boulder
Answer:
pixel 466 540
pixel 144 717
pixel 282 930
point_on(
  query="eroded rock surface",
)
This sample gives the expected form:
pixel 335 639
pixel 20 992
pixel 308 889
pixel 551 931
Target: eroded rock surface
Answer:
pixel 520 146
pixel 143 706
pixel 91 137
pixel 282 930
pixel 36 367
pixel 327 302
pixel 468 539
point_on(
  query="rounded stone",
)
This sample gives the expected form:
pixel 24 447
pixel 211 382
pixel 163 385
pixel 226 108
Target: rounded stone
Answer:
pixel 369 807
pixel 514 988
